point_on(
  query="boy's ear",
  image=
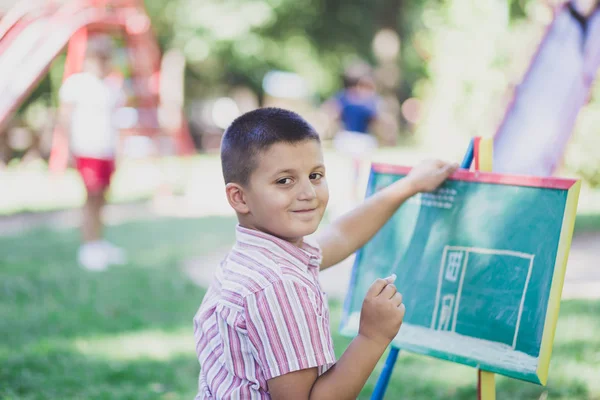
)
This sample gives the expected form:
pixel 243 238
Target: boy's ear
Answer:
pixel 236 198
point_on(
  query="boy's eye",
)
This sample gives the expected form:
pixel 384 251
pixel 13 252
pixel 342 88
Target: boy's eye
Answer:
pixel 284 181
pixel 315 175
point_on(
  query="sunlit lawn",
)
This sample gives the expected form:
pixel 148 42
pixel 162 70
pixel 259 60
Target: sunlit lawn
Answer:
pixel 127 333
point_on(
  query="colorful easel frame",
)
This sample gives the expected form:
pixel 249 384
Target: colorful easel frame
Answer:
pixel 479 155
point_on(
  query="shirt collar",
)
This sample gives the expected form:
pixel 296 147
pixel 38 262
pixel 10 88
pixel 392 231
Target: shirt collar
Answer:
pixel 307 255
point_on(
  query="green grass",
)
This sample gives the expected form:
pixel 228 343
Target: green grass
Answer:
pixel 121 334
pixel 587 223
pixel 127 333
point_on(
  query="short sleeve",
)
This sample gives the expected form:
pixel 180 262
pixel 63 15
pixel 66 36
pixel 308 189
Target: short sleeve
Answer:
pixel 288 326
pixel 68 91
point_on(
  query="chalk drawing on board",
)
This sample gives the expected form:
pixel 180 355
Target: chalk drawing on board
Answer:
pixel 425 340
pixel 455 262
pixel 504 356
pixel 445 316
pixel 440 199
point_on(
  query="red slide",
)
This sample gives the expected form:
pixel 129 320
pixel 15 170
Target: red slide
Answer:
pixel 33 35
pixel 27 58
pixel 18 18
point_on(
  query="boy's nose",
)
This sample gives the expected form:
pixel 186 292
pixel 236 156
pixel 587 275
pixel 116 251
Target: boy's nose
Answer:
pixel 307 192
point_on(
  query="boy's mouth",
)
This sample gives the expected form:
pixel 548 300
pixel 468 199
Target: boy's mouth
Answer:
pixel 305 210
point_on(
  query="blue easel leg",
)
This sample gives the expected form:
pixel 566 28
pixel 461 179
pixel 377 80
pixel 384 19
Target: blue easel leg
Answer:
pixel 384 378
pixel 468 159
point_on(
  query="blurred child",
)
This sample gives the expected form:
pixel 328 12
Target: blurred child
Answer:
pixel 262 330
pixel 357 108
pixel 89 101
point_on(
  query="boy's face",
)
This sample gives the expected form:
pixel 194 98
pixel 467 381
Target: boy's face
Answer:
pixel 287 193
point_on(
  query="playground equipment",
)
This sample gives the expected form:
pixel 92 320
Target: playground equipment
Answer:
pixel 538 124
pixel 34 32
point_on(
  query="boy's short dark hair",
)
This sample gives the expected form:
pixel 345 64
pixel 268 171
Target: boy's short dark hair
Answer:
pixel 256 131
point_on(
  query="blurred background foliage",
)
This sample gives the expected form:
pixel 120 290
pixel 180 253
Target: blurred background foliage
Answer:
pixel 447 68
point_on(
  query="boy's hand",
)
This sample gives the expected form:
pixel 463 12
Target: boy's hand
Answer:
pixel 382 312
pixel 428 175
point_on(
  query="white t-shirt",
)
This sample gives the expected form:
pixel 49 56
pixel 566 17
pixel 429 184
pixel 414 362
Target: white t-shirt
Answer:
pixel 94 132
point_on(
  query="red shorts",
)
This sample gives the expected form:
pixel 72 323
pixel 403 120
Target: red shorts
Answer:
pixel 95 172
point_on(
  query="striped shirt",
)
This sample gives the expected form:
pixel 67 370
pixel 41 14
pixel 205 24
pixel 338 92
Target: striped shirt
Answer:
pixel 264 315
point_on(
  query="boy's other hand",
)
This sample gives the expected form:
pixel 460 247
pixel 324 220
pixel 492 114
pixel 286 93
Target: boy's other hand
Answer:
pixel 428 175
pixel 382 312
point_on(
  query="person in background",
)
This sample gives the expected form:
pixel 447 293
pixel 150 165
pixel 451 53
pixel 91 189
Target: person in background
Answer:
pixel 88 102
pixel 357 109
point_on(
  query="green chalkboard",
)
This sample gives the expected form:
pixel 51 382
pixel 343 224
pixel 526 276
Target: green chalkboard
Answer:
pixel 475 262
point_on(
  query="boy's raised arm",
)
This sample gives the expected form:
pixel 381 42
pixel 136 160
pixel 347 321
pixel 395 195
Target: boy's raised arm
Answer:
pixel 381 317
pixel 354 229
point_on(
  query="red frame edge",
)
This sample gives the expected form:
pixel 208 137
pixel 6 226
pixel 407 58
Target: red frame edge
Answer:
pixel 487 177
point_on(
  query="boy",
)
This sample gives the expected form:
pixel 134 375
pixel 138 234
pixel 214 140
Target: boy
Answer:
pixel 262 330
pixel 88 104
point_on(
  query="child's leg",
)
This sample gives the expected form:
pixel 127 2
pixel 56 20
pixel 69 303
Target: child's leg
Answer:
pixel 95 253
pixel 91 227
pixel 91 254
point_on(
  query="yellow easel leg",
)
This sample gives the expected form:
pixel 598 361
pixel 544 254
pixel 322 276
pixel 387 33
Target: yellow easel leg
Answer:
pixel 486 154
pixel 487 385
